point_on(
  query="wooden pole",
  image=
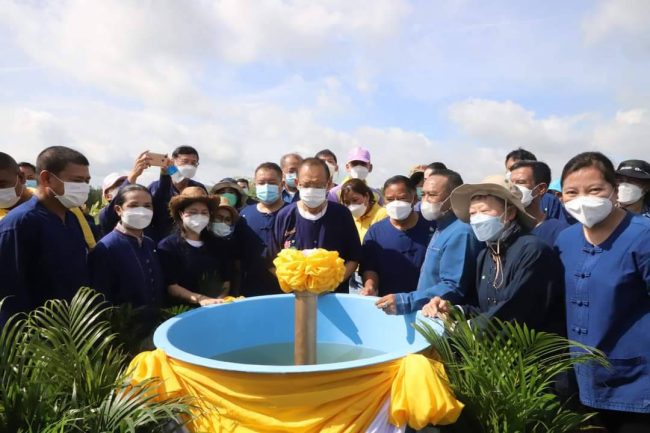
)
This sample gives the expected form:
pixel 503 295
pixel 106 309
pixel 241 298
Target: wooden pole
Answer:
pixel 305 332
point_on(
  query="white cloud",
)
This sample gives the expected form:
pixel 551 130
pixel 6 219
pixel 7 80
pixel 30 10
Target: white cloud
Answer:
pixel 159 52
pixel 627 17
pixel 493 128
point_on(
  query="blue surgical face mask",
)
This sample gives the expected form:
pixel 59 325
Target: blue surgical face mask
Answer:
pixel 267 193
pixel 418 190
pixel 487 228
pixel 31 183
pixel 290 179
pixel 231 197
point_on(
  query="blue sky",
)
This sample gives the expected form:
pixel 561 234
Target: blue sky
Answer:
pixel 245 81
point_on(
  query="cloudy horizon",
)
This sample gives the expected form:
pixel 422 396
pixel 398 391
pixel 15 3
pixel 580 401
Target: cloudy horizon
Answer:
pixel 246 81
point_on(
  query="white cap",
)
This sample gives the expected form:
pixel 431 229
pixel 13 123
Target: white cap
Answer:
pixel 111 180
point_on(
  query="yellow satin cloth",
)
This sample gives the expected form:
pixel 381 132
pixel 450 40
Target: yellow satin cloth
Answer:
pixel 333 402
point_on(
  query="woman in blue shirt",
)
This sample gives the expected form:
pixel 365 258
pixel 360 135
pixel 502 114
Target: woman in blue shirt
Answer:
pixel 124 264
pixel 393 249
pixel 607 276
pixel 196 264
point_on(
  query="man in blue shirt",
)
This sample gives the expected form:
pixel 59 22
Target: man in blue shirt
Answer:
pixel 290 163
pixel 13 188
pixel 314 222
pixel 173 180
pixel 532 179
pixel 394 248
pixel 549 203
pixel 257 232
pixel 449 267
pixel 43 254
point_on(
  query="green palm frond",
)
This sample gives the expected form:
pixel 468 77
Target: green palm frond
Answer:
pixel 504 373
pixel 62 371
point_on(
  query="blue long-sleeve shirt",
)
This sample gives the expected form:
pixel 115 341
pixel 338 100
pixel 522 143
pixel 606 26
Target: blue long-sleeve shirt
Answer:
pixel 41 258
pixel 127 271
pixel 162 192
pixel 608 307
pixel 449 268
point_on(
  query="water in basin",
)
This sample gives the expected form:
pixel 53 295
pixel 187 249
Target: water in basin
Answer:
pixel 282 354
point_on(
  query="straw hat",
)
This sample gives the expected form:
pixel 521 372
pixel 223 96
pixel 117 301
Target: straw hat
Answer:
pixel 462 196
pixel 192 194
pixel 229 182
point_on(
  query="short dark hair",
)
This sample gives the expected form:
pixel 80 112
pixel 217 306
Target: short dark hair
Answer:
pixel 417 177
pixel 436 166
pixel 270 166
pixel 120 197
pixel 315 162
pixel 29 165
pixel 357 186
pixel 521 154
pixel 184 150
pixel 243 180
pixel 7 162
pixel 454 180
pixel 399 179
pixel 56 158
pixel 591 159
pixel 541 170
pixel 326 152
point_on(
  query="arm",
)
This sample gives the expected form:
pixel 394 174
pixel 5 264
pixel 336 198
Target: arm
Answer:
pixel 101 274
pixel 370 283
pixel 190 297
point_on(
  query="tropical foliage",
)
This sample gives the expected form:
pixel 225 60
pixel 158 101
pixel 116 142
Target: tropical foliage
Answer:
pixel 504 373
pixel 62 371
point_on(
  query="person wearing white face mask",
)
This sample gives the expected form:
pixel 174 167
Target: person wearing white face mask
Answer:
pixel 607 275
pixel 360 200
pixel 174 178
pixel 257 224
pixel 357 167
pixel 313 222
pixel 449 268
pixel 634 186
pixel 124 265
pixel 13 191
pixel 532 179
pixel 519 276
pixel 197 266
pixel 394 248
pixel 43 250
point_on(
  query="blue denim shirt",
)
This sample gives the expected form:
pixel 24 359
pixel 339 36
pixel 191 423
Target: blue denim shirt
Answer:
pixel 608 307
pixel 449 268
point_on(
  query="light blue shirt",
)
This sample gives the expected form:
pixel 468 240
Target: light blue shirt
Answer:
pixel 449 268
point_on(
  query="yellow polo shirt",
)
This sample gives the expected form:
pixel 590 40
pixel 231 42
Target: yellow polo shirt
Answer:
pixel 376 214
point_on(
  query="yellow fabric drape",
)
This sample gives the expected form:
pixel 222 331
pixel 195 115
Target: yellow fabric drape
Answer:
pixel 85 227
pixel 333 402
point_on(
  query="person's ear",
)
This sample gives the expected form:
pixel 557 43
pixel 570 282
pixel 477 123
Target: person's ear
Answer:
pixel 347 166
pixel 44 178
pixel 118 210
pixel 512 213
pixel 369 168
pixel 542 188
pixel 21 178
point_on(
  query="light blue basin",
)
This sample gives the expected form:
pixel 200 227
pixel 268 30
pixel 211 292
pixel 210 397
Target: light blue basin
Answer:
pixel 198 335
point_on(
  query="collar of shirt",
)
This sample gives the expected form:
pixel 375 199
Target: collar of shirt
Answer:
pixel 445 220
pixel 120 228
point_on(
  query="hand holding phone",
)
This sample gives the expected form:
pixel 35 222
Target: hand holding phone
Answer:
pixel 158 159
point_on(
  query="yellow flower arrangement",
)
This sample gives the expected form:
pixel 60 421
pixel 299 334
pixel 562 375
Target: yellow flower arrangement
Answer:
pixel 315 271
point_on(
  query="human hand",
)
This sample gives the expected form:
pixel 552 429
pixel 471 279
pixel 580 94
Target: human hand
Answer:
pixel 437 307
pixel 142 162
pixel 387 304
pixel 367 291
pixel 204 300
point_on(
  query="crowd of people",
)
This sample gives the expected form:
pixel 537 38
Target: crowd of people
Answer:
pixel 570 256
